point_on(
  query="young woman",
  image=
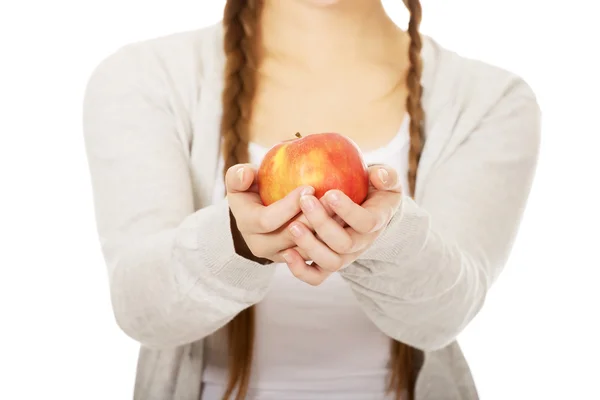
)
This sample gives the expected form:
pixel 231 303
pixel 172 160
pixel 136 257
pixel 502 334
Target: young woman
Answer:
pixel 215 288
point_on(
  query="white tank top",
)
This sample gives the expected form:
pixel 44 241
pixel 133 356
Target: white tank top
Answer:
pixel 311 342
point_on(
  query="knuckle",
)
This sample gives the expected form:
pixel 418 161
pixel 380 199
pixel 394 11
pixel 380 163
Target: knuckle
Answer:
pixel 263 222
pixel 315 224
pixel 384 218
pixel 302 253
pixel 343 211
pixel 392 210
pixel 346 246
pixel 360 245
pixel 301 218
pixel 370 225
pixel 320 218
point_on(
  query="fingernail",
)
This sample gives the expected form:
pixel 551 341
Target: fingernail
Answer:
pixel 286 257
pixel 240 174
pixel 307 203
pixel 295 230
pixel 333 198
pixel 307 191
pixel 383 175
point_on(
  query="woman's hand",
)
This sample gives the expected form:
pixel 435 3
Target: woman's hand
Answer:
pixel 263 229
pixel 334 247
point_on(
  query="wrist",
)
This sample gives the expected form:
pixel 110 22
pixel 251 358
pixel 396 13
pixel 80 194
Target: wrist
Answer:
pixel 240 245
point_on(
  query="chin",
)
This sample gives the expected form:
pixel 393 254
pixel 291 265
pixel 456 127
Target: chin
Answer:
pixel 322 2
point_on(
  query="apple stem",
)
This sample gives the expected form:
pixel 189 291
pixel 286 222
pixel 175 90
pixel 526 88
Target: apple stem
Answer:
pixel 298 135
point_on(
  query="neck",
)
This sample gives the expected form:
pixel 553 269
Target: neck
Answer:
pixel 334 32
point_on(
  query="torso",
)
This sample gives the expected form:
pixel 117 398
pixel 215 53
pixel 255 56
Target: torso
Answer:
pixel 316 342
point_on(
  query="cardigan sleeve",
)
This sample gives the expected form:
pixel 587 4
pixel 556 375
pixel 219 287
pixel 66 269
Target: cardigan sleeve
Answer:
pixel 173 272
pixel 427 275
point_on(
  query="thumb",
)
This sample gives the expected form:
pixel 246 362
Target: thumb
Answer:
pixel 384 178
pixel 239 178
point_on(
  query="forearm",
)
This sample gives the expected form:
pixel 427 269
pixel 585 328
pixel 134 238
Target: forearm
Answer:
pixel 419 289
pixel 180 285
pixel 427 275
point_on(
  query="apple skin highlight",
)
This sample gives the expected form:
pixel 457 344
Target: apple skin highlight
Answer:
pixel 325 161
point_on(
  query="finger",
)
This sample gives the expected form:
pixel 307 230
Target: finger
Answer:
pixel 278 258
pixel 339 221
pixel 276 215
pixel 383 177
pixel 327 229
pixel 253 188
pixel 302 218
pixel 256 218
pixel 332 213
pixel 360 241
pixel 312 274
pixel 271 245
pixel 361 219
pixel 239 183
pixel 316 250
pixel 239 178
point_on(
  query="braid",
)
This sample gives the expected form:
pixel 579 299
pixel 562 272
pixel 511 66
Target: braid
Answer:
pixel 403 360
pixel 413 102
pixel 240 20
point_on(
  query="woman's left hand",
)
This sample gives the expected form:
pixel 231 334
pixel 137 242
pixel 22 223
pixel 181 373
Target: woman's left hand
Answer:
pixel 332 246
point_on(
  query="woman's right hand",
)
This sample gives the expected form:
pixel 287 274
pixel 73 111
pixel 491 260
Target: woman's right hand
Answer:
pixel 263 228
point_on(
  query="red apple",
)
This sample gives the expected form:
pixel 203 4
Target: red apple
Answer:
pixel 324 161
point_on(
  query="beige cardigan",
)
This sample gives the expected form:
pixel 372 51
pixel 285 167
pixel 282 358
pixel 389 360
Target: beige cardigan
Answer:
pixel 151 122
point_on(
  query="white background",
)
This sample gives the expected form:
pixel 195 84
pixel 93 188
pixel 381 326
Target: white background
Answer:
pixel 536 338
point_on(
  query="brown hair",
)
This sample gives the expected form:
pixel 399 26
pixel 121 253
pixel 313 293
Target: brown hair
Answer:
pixel 241 44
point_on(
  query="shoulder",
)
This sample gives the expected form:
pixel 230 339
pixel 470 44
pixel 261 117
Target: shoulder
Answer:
pixel 172 65
pixel 466 94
